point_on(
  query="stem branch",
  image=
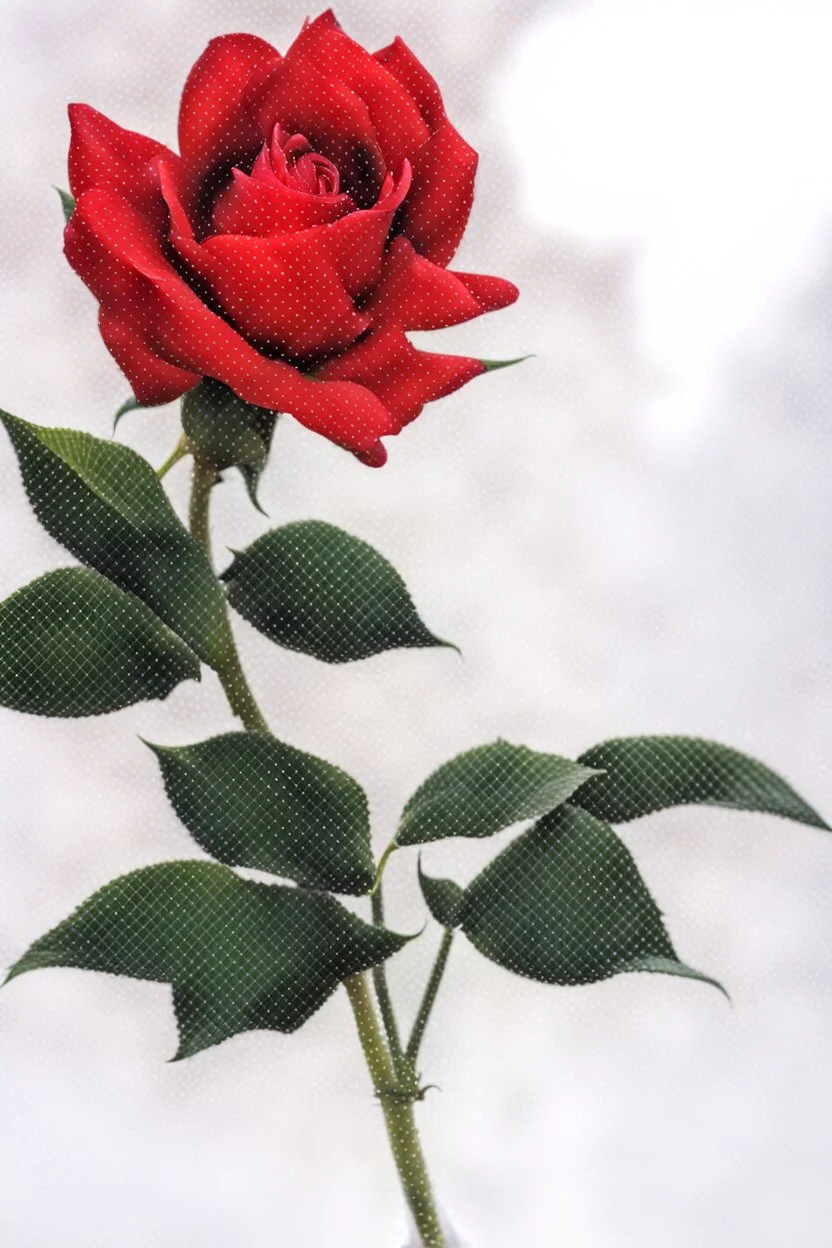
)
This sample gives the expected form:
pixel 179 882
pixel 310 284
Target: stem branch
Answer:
pixel 429 998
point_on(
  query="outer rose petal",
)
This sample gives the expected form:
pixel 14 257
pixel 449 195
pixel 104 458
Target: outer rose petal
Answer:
pixel 411 73
pixel 439 204
pixel 404 378
pixel 282 293
pixel 417 294
pixel 397 121
pixel 112 249
pixel 217 125
pixel 153 380
pixel 102 153
pixel 249 206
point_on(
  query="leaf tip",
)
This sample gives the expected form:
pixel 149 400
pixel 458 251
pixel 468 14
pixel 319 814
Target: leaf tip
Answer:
pixel 491 366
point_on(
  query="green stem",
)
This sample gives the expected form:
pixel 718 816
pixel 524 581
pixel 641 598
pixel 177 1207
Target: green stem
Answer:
pixel 385 1002
pixel 230 670
pixel 398 1115
pixel 395 1095
pixel 182 448
pixel 429 998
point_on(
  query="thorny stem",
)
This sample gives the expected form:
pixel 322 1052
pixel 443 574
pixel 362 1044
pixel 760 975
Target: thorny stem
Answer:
pixel 396 1095
pixel 429 998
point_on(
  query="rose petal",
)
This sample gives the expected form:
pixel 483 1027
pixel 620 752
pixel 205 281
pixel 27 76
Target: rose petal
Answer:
pixel 115 252
pixel 419 295
pixel 282 293
pixel 306 100
pixel 403 377
pixel 153 380
pixel 249 206
pixel 217 123
pixel 356 243
pixel 439 204
pixel 102 153
pixel 396 119
pixel 398 59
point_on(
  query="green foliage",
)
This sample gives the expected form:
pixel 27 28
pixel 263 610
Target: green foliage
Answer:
pixel 565 904
pixel 312 587
pixel 129 405
pixel 240 955
pixel 104 503
pixel 67 203
pixel 443 899
pixel 487 789
pixel 72 643
pixel 228 432
pixel 644 774
pixel 251 801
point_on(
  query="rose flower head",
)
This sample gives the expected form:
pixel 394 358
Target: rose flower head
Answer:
pixel 304 228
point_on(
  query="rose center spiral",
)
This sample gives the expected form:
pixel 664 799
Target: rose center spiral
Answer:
pixel 290 159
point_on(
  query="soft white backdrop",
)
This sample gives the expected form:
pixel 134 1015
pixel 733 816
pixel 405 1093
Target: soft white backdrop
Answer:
pixel 628 533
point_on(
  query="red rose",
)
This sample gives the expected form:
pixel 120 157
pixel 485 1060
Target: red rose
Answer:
pixel 304 228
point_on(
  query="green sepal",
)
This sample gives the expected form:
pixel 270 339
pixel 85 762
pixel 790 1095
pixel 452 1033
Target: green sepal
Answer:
pixel 240 956
pixel 442 897
pixel 565 904
pixel 490 366
pixel 67 203
pixel 129 405
pixel 645 774
pixel 227 432
pixel 72 644
pixel 252 801
pixel 105 504
pixel 312 587
pixel 487 789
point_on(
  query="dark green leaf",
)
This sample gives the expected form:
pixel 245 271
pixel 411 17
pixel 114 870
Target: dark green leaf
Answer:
pixel 72 643
pixel 487 789
pixel 241 956
pixel 251 801
pixel 312 587
pixel 565 904
pixel 106 505
pixel 443 898
pixel 67 203
pixel 643 774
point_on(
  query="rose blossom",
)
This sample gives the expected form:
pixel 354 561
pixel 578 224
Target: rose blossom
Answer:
pixel 304 228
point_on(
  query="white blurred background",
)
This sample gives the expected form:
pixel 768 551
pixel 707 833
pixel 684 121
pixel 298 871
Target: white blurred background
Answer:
pixel 628 533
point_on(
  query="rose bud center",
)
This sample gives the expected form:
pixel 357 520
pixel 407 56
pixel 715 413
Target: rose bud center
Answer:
pixel 289 158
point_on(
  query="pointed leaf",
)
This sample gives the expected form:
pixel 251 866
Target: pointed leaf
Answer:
pixel 565 904
pixel 105 504
pixel 443 898
pixel 251 801
pixel 491 365
pixel 487 789
pixel 240 955
pixel 312 587
pixel 67 203
pixel 72 643
pixel 643 774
